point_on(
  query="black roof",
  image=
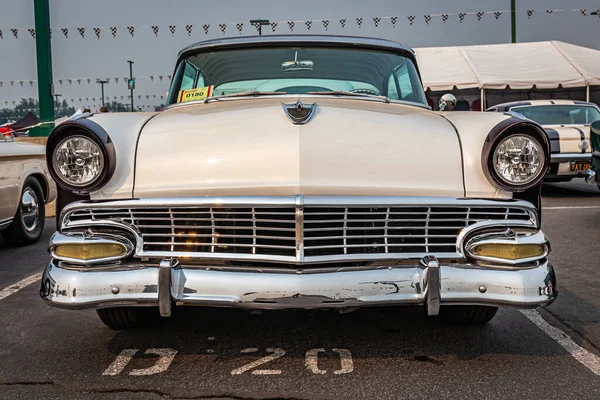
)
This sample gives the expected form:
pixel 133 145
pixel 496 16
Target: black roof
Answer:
pixel 246 41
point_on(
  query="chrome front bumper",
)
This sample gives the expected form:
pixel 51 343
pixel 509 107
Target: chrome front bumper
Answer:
pixel 428 282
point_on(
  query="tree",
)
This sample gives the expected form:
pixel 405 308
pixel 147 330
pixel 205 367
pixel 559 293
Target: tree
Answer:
pixel 113 106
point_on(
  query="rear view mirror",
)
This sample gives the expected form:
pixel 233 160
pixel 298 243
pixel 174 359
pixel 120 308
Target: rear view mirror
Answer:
pixel 297 66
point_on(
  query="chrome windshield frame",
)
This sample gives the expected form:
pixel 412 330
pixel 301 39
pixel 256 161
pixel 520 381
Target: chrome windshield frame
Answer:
pixel 247 42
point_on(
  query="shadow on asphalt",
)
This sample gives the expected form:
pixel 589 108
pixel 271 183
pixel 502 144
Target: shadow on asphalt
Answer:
pixel 571 189
pixel 370 333
pixel 49 229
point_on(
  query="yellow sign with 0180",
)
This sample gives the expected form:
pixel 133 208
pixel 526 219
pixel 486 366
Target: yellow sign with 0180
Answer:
pixel 194 94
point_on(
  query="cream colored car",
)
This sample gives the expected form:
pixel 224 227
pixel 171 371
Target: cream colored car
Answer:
pixel 567 124
pixel 298 172
pixel 25 189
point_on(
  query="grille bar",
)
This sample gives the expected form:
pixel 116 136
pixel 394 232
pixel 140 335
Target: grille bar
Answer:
pixel 299 230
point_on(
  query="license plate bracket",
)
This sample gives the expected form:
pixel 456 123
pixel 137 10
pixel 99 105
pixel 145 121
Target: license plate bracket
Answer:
pixel 580 166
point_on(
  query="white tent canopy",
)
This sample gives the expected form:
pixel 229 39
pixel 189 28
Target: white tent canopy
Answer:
pixel 519 66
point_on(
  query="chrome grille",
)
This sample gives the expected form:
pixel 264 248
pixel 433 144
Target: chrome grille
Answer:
pixel 305 231
pixel 253 231
pixel 384 230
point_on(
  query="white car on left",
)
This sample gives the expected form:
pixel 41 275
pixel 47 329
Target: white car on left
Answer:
pixel 25 188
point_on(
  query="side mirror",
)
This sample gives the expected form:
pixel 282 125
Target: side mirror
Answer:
pixel 447 102
pixel 595 128
pixel 595 136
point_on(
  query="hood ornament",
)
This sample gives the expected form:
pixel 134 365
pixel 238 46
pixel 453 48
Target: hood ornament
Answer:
pixel 299 113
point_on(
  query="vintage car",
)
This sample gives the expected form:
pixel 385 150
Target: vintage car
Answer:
pixel 567 124
pixel 591 175
pixel 25 188
pixel 298 172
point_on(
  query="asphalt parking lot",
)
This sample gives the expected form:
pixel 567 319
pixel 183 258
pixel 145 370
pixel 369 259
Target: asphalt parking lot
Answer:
pixel 379 353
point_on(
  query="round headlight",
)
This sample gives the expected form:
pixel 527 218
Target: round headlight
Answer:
pixel 518 159
pixel 78 161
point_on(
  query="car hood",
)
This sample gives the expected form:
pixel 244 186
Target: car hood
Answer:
pixel 566 138
pixel 251 147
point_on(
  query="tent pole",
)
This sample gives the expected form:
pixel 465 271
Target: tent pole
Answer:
pixel 482 100
pixel 587 93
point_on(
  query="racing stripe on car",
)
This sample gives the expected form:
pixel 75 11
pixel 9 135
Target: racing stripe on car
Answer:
pixel 580 134
pixel 554 140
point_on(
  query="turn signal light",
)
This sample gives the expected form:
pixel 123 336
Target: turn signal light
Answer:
pixel 509 251
pixel 90 251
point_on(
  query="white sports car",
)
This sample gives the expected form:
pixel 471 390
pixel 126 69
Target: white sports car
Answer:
pixel 25 188
pixel 302 172
pixel 567 124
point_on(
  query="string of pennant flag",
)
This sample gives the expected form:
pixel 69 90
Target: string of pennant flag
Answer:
pixel 80 81
pixel 36 109
pixel 275 26
pixel 94 99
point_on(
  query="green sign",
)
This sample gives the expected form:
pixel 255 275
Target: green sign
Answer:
pixel 131 84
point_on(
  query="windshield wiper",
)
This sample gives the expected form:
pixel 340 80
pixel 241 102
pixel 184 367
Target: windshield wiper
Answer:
pixel 242 94
pixel 345 93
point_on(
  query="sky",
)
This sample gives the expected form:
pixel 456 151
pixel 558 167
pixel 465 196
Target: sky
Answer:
pixel 85 58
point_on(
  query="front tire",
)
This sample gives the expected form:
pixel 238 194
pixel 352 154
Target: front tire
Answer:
pixel 118 318
pixel 468 315
pixel 28 224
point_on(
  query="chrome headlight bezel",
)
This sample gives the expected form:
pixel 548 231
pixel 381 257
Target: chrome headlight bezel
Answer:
pixel 88 130
pixel 505 130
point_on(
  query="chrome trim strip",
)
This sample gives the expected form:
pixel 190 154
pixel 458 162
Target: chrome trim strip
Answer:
pixel 299 228
pixel 466 232
pixel 301 96
pixel 566 157
pixel 271 201
pixel 5 223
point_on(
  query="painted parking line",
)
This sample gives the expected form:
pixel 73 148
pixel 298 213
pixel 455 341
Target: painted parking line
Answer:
pixel 569 208
pixel 589 360
pixel 15 287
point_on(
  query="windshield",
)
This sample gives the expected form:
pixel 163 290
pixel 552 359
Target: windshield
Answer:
pixel 296 70
pixel 560 114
